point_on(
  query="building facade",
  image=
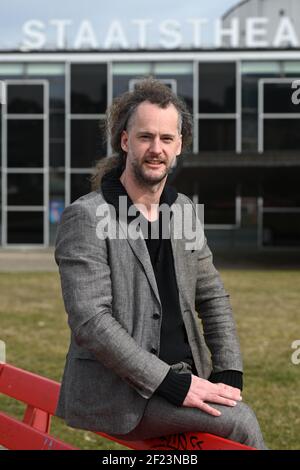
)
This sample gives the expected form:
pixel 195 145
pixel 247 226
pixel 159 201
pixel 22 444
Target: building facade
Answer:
pixel 244 163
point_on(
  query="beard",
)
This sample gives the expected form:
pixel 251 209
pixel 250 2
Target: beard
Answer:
pixel 147 176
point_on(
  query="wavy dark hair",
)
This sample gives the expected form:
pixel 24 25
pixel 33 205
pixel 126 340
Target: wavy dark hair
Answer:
pixel 119 114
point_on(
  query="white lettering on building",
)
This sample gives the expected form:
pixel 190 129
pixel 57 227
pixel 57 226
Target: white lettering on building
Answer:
pixel 85 37
pixel 142 25
pixel 286 35
pixel 61 33
pixel 197 24
pixel 169 34
pixel 34 32
pixel 256 32
pixel 232 33
pixel 116 37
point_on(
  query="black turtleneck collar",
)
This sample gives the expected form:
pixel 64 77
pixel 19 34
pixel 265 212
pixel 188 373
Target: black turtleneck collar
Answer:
pixel 112 188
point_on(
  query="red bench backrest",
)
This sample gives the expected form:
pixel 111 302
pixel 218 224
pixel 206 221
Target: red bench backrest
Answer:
pixel 41 394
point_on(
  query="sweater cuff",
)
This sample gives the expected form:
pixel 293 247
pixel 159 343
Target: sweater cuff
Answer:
pixel 234 378
pixel 175 387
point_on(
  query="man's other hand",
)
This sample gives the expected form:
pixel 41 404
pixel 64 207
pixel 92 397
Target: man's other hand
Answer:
pixel 202 391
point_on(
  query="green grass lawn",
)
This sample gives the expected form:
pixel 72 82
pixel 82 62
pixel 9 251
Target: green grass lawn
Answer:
pixel 266 306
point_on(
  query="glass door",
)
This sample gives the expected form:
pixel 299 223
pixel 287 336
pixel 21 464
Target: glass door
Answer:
pixel 25 163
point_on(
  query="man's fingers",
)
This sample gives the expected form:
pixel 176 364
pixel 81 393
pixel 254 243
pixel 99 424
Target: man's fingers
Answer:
pixel 209 409
pixel 221 400
pixel 227 391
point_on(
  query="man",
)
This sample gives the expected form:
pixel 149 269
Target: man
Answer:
pixel 139 365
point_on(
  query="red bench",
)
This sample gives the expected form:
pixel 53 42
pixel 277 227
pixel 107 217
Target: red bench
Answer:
pixel 41 394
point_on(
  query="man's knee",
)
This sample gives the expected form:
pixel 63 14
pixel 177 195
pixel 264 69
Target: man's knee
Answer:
pixel 244 425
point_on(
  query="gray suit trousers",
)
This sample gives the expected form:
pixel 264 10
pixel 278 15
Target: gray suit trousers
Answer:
pixel 161 418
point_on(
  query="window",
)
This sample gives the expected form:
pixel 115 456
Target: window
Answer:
pixel 217 113
pixel 219 202
pixel 25 227
pixel 89 100
pixel 87 143
pixel 278 98
pixel 54 75
pixel 25 189
pixel 88 88
pixel 25 143
pixel 25 156
pixel 57 154
pixel 80 185
pixel 178 75
pixel 57 126
pixel 281 134
pixel 280 189
pixel 216 135
pixel 220 209
pixel 281 208
pixel 217 87
pixel 26 99
pixel 279 119
pixel 252 72
pixel 281 229
pixel 56 201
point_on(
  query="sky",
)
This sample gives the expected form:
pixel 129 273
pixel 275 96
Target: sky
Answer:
pixel 100 14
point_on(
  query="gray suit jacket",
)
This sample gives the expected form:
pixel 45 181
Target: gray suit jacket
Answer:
pixel 110 296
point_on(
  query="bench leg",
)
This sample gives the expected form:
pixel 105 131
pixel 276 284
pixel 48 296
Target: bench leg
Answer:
pixel 38 419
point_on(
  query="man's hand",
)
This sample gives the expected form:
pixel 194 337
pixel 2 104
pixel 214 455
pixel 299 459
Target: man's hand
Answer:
pixel 202 390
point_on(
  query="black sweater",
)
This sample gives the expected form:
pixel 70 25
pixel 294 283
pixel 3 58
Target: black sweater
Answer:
pixel 174 346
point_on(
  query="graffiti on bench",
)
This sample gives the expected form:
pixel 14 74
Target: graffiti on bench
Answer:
pixel 179 441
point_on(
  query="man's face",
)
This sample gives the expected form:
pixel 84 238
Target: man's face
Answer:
pixel 152 142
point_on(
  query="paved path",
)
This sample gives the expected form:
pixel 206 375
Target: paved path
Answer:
pixel 43 259
pixel 27 260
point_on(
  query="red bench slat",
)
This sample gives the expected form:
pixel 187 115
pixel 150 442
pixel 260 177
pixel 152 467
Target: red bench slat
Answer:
pixel 15 435
pixel 35 390
pixel 183 441
pixel 41 395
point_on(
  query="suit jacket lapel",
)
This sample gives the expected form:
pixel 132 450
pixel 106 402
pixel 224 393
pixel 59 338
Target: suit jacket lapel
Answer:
pixel 140 250
pixel 176 236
